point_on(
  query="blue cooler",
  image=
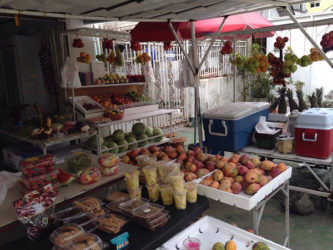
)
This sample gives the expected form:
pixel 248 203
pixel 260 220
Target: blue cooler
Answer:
pixel 230 127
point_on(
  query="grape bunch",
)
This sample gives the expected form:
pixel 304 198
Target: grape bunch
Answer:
pixel 280 42
pixel 136 46
pixel 327 42
pixel 227 48
pixel 276 70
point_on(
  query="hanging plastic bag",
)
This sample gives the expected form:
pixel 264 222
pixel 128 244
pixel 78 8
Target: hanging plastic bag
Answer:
pixel 70 75
pixel 7 181
pixel 149 74
pixel 186 77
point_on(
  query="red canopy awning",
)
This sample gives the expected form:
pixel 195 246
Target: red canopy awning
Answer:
pixel 160 32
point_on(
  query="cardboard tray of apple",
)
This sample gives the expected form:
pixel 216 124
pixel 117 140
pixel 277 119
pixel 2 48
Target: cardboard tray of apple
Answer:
pixel 243 182
pixel 210 231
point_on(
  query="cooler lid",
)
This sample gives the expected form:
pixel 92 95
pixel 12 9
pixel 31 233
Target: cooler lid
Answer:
pixel 315 118
pixel 235 110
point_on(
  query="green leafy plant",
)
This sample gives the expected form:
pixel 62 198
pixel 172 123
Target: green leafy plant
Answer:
pixel 261 85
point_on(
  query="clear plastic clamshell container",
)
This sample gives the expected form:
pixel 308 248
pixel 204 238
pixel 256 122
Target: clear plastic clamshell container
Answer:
pixel 155 226
pixel 88 223
pixel 64 235
pixel 148 212
pixel 87 241
pixel 39 165
pixel 129 207
pixel 66 214
pixel 36 182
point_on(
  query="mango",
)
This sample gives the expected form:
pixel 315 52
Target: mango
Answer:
pixel 256 162
pixel 236 188
pixel 260 246
pixel 230 245
pixel 218 175
pixel 252 176
pixel 267 165
pixel 252 188
pixel 218 246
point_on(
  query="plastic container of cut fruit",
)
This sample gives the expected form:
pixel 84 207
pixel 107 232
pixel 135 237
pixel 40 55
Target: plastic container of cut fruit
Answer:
pixel 148 212
pixel 162 217
pixel 64 235
pixel 64 215
pixel 86 241
pixel 129 207
pixel 39 165
pixel 36 182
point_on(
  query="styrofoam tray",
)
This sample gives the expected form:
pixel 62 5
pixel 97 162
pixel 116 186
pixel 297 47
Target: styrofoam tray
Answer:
pixel 210 230
pixel 80 100
pixel 243 200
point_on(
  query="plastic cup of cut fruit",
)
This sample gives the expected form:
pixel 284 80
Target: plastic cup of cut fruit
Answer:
pixel 153 192
pixel 192 192
pixel 176 179
pixel 191 243
pixel 180 200
pixel 135 193
pixel 166 193
pixel 150 174
pixel 132 179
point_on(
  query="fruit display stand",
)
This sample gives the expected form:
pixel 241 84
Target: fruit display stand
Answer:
pixel 45 143
pixel 308 162
pixel 210 230
pixel 256 202
pixel 65 194
pixel 155 114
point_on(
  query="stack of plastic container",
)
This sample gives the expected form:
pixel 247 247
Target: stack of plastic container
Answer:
pixel 73 236
pixel 38 172
pixel 148 215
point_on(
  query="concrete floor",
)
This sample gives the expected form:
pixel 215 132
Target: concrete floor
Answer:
pixel 312 232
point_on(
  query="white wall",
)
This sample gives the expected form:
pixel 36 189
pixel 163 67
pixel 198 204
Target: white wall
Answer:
pixel 319 74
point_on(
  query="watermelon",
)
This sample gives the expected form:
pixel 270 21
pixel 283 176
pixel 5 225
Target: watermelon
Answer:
pixel 142 137
pixel 118 135
pixel 124 146
pixel 149 132
pixel 64 178
pixel 111 144
pixel 158 131
pixel 134 145
pixel 130 135
pixel 92 142
pixel 139 128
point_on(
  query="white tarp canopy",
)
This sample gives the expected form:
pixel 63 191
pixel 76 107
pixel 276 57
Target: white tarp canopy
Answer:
pixel 160 10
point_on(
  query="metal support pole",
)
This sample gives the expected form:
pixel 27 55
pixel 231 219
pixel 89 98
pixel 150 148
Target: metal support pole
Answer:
pixel 196 83
pixel 99 146
pixel 288 12
pixel 181 47
pixel 212 42
pixel 286 213
pixel 234 73
pixel 316 176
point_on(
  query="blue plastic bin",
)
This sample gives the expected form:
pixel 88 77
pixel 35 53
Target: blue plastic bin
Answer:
pixel 230 127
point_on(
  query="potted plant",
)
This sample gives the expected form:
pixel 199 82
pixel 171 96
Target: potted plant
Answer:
pixel 260 87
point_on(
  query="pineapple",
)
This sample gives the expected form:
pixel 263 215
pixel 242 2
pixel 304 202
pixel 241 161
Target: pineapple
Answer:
pixel 319 96
pixel 301 102
pixel 283 104
pixel 313 100
pixel 292 104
